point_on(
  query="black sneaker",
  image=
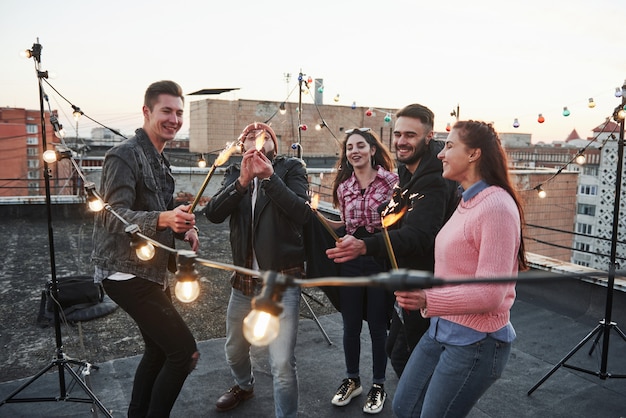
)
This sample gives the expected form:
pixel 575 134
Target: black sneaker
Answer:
pixel 375 399
pixel 348 389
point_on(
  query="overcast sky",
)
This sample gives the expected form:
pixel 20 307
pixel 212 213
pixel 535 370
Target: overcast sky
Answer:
pixel 498 60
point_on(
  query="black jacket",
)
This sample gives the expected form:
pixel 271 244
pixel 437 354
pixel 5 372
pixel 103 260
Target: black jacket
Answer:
pixel 413 238
pixel 280 212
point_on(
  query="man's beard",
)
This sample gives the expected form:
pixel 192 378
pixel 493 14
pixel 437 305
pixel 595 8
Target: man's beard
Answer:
pixel 417 155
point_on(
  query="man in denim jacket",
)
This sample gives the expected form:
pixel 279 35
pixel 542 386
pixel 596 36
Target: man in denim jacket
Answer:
pixel 138 185
pixel 266 200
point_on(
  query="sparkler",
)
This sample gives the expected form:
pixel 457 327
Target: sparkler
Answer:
pixel 221 159
pixel 394 211
pixel 314 203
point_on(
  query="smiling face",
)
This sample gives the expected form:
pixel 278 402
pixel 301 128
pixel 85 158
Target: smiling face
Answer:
pixel 358 151
pixel 459 161
pixel 164 120
pixel 411 138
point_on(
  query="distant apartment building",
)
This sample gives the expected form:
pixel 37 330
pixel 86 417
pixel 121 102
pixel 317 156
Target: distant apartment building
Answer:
pixel 21 139
pixel 593 222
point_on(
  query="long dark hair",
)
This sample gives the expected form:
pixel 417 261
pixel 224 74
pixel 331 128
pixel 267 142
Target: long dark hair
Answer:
pixel 492 166
pixel 382 157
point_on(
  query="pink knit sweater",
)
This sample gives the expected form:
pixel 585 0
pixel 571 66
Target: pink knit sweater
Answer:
pixel 481 239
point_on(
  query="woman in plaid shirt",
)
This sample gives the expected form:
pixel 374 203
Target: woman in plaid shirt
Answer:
pixel 365 180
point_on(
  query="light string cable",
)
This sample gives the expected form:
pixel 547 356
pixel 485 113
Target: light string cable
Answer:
pixel 578 154
pixel 282 106
pixel 81 113
pixel 323 123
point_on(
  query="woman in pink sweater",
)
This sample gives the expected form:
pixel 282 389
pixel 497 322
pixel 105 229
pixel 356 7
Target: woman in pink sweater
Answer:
pixel 469 340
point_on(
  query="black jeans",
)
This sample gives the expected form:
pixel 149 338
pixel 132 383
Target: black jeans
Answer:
pixel 170 349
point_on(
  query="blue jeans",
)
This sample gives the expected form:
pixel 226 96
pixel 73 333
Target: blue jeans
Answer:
pixel 170 348
pixel 442 380
pixel 281 351
pixel 352 299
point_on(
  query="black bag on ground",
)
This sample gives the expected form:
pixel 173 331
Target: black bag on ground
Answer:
pixel 78 298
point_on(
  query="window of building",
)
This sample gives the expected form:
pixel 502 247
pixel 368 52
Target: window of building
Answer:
pixel 32 140
pixel 32 151
pixel 585 209
pixel 31 128
pixel 33 163
pixel 582 263
pixel 582 228
pixel 590 170
pixel 587 189
pixel 582 246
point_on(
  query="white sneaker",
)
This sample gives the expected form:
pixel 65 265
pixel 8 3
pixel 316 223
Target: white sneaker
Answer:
pixel 348 389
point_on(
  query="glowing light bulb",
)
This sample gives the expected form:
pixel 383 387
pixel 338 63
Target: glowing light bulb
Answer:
pixel 621 114
pixel 541 119
pixel 187 290
pixel 448 127
pixel 580 159
pixel 566 112
pixel 50 156
pixel 336 99
pixel 516 123
pixel 260 328
pixel 282 109
pixel 369 112
pixel 591 103
pixel 202 162
pixel 144 250
pixel 95 204
pixel 541 193
pixel 387 118
pixel 309 80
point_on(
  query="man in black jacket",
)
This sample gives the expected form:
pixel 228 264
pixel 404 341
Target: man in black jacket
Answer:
pixel 266 199
pixel 429 200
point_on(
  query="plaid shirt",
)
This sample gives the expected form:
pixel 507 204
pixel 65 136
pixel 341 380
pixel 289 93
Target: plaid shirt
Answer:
pixel 361 208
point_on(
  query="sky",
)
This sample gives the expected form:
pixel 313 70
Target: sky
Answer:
pixel 497 60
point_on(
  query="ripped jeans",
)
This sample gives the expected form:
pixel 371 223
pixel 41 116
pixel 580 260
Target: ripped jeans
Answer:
pixel 170 352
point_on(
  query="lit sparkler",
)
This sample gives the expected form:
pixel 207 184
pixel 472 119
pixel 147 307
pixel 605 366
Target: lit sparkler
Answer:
pixel 314 203
pixel 221 159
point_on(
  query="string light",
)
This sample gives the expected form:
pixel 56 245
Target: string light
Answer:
pixel 187 288
pixel 303 127
pixel 387 118
pixel 540 192
pixel 516 123
pixel 369 112
pixel 541 119
pixel 580 158
pixel 591 103
pixel 618 92
pixel 566 111
pixel 448 127
pixel 353 105
pixel 202 161
pixel 282 109
pixel 336 98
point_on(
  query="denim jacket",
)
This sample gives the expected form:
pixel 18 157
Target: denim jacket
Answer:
pixel 137 183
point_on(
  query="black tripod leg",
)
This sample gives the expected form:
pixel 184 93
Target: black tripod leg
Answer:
pixel 88 391
pixel 10 399
pixel 317 321
pixel 567 357
pixel 595 343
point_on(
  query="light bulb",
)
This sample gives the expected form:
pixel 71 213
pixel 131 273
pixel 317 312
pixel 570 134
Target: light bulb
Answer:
pixel 369 112
pixel 260 328
pixel 50 156
pixel 591 103
pixel 303 127
pixel 541 119
pixel 618 92
pixel 566 112
pixel 336 99
pixel 387 118
pixel 144 250
pixel 95 204
pixel 448 127
pixel 320 89
pixel 187 291
pixel 282 109
pixel 516 123
pixel 580 159
pixel 541 193
pixel 621 114
pixel 202 162
pixel 353 105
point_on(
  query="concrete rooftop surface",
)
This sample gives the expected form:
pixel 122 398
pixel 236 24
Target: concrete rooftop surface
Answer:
pixel 547 332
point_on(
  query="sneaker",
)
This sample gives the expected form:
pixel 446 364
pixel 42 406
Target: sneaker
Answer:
pixel 375 399
pixel 348 389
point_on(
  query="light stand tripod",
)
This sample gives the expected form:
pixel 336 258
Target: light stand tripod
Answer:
pixel 61 361
pixel 603 329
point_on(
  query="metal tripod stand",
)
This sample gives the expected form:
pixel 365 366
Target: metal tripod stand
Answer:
pixel 61 361
pixel 604 328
